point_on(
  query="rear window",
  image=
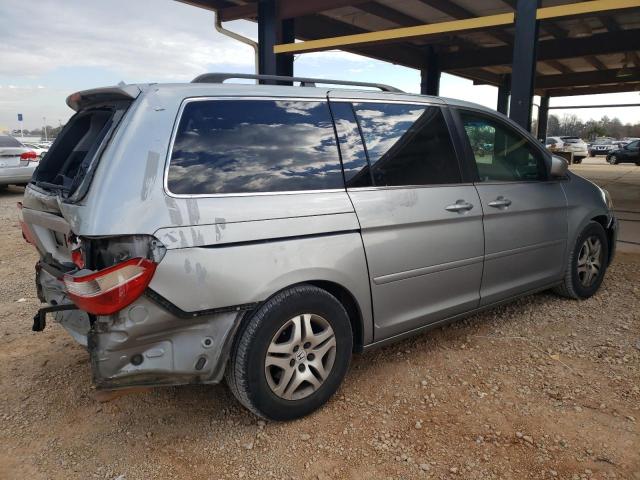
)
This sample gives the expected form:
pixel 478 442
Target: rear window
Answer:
pixel 407 144
pixel 251 146
pixel 68 160
pixel 571 139
pixel 6 141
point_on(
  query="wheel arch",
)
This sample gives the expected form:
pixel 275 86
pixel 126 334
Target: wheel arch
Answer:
pixel 603 220
pixel 349 302
pixel 340 292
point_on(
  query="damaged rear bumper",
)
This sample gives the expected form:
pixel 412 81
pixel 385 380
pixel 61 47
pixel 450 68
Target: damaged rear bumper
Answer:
pixel 150 342
pixel 147 345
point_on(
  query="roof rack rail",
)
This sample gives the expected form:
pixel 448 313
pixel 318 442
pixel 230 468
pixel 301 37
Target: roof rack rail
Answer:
pixel 304 82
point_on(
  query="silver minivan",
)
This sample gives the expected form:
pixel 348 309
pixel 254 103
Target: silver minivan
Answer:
pixel 263 233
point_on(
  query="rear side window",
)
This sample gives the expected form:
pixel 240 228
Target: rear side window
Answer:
pixel 407 144
pixel 250 146
pixel 6 141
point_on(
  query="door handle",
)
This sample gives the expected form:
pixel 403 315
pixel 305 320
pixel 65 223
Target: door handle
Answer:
pixel 500 202
pixel 460 206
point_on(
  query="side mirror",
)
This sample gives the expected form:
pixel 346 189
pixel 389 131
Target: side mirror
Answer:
pixel 559 167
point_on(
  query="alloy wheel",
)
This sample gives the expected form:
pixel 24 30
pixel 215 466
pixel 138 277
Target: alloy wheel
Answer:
pixel 590 261
pixel 300 356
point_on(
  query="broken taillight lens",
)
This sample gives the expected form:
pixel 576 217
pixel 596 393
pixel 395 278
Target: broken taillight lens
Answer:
pixel 110 290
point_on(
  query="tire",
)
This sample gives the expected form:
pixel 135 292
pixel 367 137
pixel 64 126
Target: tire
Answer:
pixel 268 390
pixel 574 285
pixel 578 160
pixel 613 160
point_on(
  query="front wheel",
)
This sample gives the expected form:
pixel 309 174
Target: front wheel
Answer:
pixel 292 354
pixel 587 263
pixel 578 160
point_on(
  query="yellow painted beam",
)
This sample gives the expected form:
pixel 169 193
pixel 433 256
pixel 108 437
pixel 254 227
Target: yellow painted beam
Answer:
pixel 545 13
pixel 582 8
pixel 397 33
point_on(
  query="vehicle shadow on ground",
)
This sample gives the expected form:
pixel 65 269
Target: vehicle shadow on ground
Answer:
pixel 11 190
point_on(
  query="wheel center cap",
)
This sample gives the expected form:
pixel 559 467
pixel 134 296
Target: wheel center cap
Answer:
pixel 301 355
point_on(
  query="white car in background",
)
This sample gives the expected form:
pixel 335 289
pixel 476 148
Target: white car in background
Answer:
pixel 567 144
pixel 17 162
pixel 39 148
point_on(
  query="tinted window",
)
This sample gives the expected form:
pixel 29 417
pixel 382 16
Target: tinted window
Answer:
pixel 354 158
pixel 245 146
pixel 6 141
pixel 501 153
pixel 407 144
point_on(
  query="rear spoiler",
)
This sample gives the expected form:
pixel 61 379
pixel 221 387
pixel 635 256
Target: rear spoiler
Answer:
pixel 84 98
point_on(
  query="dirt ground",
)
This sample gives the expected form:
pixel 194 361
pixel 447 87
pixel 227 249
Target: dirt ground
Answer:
pixel 542 388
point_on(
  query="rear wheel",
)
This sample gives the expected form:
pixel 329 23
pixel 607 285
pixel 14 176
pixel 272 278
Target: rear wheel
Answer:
pixel 578 159
pixel 292 354
pixel 613 160
pixel 587 263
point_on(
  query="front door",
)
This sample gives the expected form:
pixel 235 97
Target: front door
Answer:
pixel 525 213
pixel 421 225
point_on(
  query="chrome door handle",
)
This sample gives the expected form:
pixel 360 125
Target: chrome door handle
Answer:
pixel 459 206
pixel 500 202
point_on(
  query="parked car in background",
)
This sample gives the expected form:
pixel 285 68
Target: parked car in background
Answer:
pixel 264 233
pixel 39 148
pixel 627 140
pixel 17 162
pixel 574 145
pixel 629 153
pixel 602 146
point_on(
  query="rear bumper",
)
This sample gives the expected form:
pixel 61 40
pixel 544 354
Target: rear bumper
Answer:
pixel 146 345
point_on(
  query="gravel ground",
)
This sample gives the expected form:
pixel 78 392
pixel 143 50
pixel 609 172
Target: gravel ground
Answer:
pixel 541 388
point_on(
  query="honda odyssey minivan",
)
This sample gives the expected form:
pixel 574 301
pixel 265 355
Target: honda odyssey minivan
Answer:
pixel 190 233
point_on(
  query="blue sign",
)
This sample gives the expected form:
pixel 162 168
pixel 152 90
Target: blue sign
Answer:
pixel 19 117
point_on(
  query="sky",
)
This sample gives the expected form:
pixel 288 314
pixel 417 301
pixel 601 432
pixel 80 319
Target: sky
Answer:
pixel 51 48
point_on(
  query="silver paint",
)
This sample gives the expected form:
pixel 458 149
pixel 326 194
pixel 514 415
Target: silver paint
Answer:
pixel 407 261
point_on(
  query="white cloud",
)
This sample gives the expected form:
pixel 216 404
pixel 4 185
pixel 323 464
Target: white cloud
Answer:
pixel 148 40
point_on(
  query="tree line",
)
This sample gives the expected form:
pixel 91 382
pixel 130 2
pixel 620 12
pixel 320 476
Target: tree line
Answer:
pixel 52 132
pixel 570 124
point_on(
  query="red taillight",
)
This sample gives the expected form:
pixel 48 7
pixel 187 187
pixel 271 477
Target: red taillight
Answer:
pixel 77 257
pixel 29 156
pixel 110 290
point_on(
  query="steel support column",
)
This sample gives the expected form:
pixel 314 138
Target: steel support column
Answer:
pixel 430 75
pixel 267 36
pixel 543 117
pixel 524 62
pixel 284 61
pixel 504 90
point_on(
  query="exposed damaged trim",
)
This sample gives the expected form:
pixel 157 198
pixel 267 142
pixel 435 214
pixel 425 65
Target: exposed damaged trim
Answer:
pixel 39 319
pixel 280 239
pixel 178 312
